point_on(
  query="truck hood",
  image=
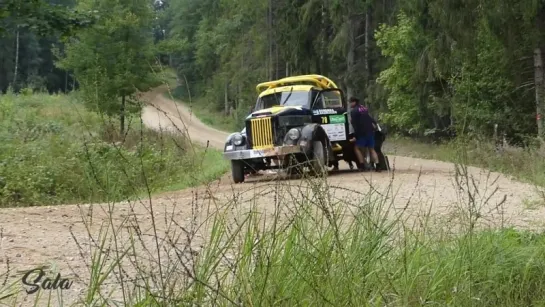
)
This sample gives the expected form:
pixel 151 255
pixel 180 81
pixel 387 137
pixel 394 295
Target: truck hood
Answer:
pixel 277 110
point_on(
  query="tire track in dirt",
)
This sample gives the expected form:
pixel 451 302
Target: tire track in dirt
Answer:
pixel 47 235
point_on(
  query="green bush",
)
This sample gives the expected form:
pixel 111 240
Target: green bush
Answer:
pixel 54 151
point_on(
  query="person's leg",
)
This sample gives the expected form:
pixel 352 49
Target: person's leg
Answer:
pixel 358 150
pixel 364 147
pixel 362 163
pixel 370 144
pixel 379 139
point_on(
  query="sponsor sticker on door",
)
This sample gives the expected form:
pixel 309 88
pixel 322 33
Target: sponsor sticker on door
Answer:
pixel 335 132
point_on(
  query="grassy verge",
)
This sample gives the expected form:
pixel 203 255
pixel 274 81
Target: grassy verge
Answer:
pixel 54 151
pixel 526 164
pixel 369 261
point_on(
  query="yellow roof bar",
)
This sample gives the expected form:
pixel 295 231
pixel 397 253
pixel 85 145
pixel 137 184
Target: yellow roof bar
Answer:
pixel 317 80
pixel 298 87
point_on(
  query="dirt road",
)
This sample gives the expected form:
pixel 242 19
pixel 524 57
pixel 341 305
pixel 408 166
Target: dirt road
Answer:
pixel 60 236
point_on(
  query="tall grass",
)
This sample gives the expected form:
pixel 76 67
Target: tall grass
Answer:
pixel 310 248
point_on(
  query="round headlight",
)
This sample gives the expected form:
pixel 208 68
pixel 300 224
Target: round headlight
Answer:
pixel 294 134
pixel 237 139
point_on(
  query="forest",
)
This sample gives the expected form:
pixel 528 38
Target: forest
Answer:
pixel 439 67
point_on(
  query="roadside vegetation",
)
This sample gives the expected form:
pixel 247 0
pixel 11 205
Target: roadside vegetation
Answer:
pixel 523 163
pixel 321 251
pixel 54 151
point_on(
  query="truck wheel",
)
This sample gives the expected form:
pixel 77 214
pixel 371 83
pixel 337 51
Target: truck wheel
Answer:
pixel 295 170
pixel 237 171
pixel 291 166
pixel 319 157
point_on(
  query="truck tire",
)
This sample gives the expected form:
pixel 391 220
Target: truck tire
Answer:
pixel 237 171
pixel 319 159
pixel 291 166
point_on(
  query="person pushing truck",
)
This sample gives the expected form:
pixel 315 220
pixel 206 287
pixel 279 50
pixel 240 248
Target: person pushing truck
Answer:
pixel 364 130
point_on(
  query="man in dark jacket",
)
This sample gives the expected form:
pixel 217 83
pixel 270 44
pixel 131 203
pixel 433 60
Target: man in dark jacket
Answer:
pixel 364 130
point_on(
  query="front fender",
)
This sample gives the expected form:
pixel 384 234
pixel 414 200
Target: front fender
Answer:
pixel 310 133
pixel 228 146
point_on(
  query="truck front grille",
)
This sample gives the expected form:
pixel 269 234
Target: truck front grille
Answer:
pixel 261 133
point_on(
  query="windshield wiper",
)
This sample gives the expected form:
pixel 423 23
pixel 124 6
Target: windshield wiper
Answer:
pixel 285 100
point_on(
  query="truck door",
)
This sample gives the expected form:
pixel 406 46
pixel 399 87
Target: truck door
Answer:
pixel 329 110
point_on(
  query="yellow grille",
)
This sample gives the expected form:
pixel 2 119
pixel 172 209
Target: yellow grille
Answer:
pixel 262 133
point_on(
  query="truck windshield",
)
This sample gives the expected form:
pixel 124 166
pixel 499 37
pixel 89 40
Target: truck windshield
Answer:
pixel 297 98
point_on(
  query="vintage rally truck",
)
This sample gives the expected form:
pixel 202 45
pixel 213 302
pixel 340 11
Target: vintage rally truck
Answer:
pixel 298 122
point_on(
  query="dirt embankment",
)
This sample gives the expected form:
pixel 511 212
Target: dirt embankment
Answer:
pixel 58 236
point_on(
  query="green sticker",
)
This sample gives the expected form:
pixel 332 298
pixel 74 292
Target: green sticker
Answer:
pixel 336 119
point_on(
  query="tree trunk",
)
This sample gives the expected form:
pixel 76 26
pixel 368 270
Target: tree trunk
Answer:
pixel 276 61
pixel 322 40
pixel 226 99
pixel 16 58
pixel 122 117
pixel 540 89
pixel 350 59
pixel 367 58
pixel 351 56
pixel 270 34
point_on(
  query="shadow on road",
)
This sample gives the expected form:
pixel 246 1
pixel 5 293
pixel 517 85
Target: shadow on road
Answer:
pixel 284 177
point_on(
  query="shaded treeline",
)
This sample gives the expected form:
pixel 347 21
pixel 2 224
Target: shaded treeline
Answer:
pixel 425 66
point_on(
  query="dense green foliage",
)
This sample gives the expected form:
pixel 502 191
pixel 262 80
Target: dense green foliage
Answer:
pixel 28 31
pixel 425 67
pixel 114 58
pixel 54 151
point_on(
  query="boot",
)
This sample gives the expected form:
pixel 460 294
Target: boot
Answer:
pixel 361 167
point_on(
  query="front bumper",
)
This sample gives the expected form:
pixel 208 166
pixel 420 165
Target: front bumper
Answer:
pixel 262 153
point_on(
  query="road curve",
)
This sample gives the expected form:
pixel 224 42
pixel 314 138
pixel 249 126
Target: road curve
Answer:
pixel 164 113
pixel 61 235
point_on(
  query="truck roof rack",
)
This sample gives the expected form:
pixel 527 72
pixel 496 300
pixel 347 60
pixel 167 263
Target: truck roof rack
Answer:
pixel 315 80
